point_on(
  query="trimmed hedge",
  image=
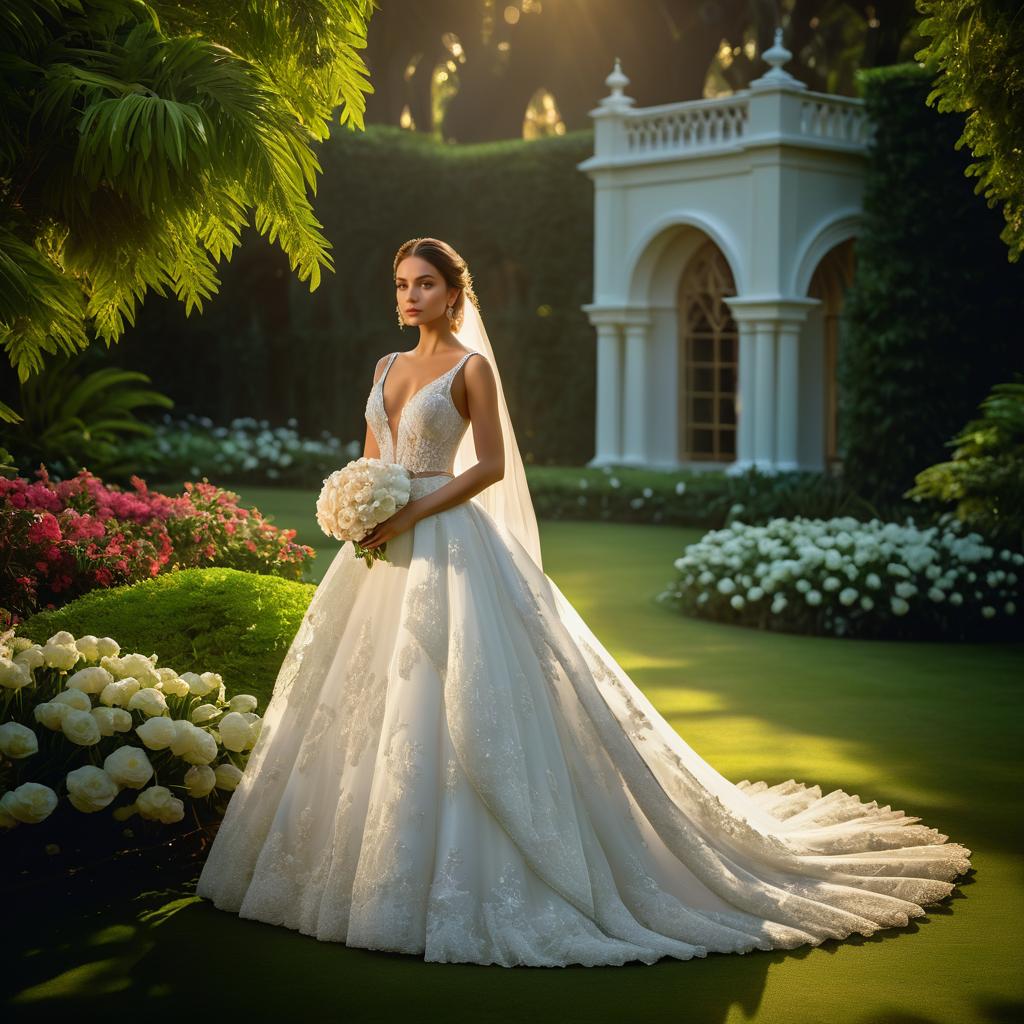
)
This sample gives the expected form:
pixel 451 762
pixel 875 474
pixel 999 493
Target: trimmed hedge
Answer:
pixel 933 318
pixel 520 212
pixel 239 624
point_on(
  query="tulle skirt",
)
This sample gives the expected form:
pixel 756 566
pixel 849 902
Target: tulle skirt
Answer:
pixel 453 766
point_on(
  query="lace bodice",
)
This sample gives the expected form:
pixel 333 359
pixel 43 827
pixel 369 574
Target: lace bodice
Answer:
pixel 430 427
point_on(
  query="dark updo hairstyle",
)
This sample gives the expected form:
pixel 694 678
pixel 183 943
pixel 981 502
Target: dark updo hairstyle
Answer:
pixel 449 264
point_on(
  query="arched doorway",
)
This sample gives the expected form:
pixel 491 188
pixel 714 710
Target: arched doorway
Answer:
pixel 831 278
pixel 708 359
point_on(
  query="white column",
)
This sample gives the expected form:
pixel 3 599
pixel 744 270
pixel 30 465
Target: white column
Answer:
pixel 608 429
pixel 634 441
pixel 764 413
pixel 788 394
pixel 746 399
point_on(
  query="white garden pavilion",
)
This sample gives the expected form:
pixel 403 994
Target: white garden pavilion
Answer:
pixel 723 245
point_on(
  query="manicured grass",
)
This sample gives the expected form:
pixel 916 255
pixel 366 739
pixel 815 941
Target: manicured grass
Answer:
pixel 929 728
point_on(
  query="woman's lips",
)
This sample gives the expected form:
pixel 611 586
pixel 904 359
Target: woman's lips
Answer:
pixel 412 311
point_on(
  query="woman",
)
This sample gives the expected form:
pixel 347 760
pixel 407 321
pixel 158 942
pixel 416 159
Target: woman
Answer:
pixel 453 766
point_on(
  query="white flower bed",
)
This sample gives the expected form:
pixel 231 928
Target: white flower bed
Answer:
pixel 79 718
pixel 845 577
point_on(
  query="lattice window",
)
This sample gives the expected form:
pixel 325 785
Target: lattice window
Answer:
pixel 709 362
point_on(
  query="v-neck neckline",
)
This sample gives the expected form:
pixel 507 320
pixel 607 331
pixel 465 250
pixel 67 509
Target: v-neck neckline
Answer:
pixel 387 421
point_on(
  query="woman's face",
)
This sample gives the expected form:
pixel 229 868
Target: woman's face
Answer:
pixel 420 291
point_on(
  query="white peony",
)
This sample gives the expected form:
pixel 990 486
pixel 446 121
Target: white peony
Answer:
pixel 129 766
pixel 89 645
pixel 17 741
pixel 242 702
pixel 105 720
pixel 174 685
pixel 192 744
pixel 149 701
pixel 74 699
pixel 60 656
pixel 204 713
pixel 200 780
pixel 157 733
pixel 31 657
pixel 80 727
pixel 235 731
pixel 228 776
pixel 158 804
pixel 30 803
pixel 90 788
pixel 51 713
pixel 62 637
pixel 90 680
pixel 119 693
pixel 107 647
pixel 14 674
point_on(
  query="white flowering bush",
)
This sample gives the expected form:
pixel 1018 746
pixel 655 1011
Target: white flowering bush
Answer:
pixel 844 577
pixel 244 450
pixel 85 726
pixel 358 497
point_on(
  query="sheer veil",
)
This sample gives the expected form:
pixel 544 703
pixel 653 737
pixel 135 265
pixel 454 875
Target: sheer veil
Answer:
pixel 508 501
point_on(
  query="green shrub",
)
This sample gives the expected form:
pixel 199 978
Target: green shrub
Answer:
pixel 238 624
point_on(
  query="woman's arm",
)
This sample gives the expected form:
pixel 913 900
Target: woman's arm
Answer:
pixel 371 450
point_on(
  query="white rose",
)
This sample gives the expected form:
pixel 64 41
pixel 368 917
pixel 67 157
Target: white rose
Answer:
pixel 90 680
pixel 105 720
pixel 129 766
pixel 17 740
pixel 31 802
pixel 60 656
pixel 90 788
pixel 158 804
pixel 200 780
pixel 74 699
pixel 243 702
pixel 89 646
pixel 157 733
pixel 204 713
pixel 80 727
pixel 149 701
pixel 106 647
pixel 51 713
pixel 235 731
pixel 119 692
pixel 228 776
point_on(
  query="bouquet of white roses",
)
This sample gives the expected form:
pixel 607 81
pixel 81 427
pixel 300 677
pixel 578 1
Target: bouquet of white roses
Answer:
pixel 355 499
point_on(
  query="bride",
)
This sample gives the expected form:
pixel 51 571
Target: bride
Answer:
pixel 452 765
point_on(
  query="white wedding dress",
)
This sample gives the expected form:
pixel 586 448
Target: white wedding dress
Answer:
pixel 453 766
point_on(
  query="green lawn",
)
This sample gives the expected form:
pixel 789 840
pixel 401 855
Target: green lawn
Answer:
pixel 929 728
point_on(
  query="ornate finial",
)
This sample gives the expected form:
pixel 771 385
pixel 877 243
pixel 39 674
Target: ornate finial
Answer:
pixel 617 81
pixel 777 55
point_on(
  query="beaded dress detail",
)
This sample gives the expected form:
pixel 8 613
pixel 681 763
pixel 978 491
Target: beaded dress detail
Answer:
pixel 453 766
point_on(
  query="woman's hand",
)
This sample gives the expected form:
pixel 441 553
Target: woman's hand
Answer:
pixel 404 519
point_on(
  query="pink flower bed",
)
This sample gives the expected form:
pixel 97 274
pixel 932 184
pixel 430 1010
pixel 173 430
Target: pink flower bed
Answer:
pixel 60 540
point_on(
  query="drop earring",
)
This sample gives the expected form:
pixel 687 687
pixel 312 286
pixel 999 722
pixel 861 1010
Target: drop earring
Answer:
pixel 449 313
pixel 401 322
